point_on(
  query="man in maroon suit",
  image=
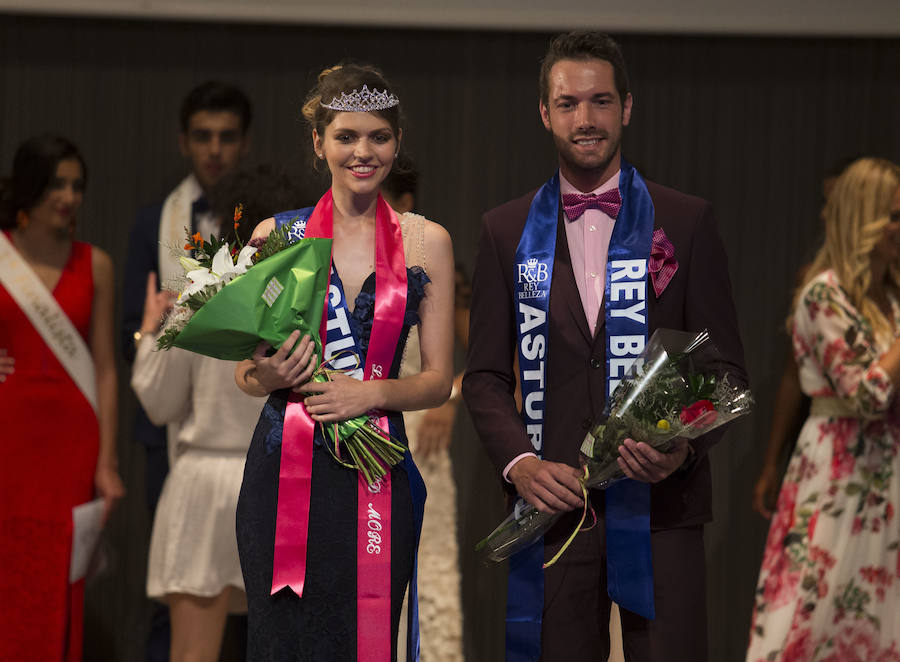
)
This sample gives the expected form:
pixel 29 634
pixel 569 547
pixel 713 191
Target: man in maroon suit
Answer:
pixel 585 105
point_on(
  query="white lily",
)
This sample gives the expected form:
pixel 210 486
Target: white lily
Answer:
pixel 188 263
pixel 222 272
pixel 244 260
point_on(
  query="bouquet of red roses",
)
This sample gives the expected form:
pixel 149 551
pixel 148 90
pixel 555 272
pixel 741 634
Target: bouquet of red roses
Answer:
pixel 679 387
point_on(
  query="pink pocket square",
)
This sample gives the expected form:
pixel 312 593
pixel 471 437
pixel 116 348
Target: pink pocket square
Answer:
pixel 662 263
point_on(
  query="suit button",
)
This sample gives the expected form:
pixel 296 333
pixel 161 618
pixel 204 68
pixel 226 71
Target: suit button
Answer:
pixel 586 424
pixel 596 363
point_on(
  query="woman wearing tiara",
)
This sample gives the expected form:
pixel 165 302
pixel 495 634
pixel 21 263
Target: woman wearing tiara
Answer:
pixel 316 588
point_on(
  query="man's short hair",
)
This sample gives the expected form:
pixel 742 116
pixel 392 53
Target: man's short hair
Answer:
pixel 584 45
pixel 216 96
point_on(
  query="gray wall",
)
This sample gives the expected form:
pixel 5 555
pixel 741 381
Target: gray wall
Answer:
pixel 748 123
pixel 807 17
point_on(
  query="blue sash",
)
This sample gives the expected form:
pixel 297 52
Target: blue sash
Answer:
pixel 534 273
pixel 341 346
pixel 627 515
pixel 628 560
pixel 341 352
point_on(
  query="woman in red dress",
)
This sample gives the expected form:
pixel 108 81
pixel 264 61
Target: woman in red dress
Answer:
pixel 58 452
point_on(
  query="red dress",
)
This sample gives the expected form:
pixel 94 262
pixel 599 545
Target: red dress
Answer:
pixel 49 440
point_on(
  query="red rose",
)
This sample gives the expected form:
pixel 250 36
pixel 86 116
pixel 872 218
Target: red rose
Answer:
pixel 702 409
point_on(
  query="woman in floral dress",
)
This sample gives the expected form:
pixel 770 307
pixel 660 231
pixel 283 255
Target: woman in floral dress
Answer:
pixel 829 587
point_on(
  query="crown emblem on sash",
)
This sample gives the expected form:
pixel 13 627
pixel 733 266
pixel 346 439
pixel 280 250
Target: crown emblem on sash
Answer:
pixel 298 229
pixel 532 271
pixel 363 100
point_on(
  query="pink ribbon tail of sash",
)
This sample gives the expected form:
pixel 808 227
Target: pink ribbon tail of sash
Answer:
pixel 373 560
pixel 373 502
pixel 295 470
pixel 373 568
pixel 294 487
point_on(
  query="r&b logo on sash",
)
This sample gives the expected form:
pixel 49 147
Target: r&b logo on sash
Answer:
pixel 532 274
pixel 298 228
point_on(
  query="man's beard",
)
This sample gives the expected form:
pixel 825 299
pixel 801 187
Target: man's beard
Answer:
pixel 584 163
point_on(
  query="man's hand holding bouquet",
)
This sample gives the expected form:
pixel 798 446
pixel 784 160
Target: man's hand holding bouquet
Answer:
pixel 677 390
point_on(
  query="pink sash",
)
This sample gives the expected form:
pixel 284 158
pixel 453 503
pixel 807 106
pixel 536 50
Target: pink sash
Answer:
pixel 373 502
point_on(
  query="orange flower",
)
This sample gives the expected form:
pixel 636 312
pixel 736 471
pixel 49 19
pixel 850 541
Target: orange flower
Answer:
pixel 238 212
pixel 195 242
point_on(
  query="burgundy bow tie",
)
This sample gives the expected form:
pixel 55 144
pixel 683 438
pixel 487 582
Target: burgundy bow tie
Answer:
pixel 575 204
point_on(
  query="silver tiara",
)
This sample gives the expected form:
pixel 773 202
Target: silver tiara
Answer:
pixel 363 101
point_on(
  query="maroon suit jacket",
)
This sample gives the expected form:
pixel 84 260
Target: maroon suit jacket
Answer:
pixel 697 297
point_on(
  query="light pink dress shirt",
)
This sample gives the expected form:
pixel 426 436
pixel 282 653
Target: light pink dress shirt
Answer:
pixel 588 238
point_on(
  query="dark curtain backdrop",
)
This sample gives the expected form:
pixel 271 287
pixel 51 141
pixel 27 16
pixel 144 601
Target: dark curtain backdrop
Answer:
pixel 748 123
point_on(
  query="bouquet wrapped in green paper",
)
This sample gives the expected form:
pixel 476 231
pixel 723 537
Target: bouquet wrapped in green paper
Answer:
pixel 679 387
pixel 234 299
pixel 267 302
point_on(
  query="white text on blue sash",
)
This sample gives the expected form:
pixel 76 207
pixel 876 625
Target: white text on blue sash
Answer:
pixel 628 301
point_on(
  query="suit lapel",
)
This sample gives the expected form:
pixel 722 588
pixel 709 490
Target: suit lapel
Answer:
pixel 600 328
pixel 564 288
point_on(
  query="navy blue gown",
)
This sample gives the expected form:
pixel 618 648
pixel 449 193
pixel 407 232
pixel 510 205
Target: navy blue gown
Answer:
pixel 321 625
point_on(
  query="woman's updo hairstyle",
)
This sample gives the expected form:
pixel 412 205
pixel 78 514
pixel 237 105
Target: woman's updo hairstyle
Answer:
pixel 345 78
pixel 34 167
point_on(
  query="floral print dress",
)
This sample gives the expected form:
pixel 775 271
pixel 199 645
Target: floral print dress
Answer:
pixel 829 587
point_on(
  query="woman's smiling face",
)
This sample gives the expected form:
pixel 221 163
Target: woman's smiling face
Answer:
pixel 359 149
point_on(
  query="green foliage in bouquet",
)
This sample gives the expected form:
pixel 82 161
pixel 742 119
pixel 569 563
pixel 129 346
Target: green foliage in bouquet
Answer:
pixel 276 242
pixel 655 410
pixel 360 443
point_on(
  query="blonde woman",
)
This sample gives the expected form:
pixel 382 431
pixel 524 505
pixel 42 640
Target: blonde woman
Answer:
pixel 828 585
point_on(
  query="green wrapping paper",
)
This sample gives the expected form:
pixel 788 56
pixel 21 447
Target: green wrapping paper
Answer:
pixel 279 294
pixel 284 292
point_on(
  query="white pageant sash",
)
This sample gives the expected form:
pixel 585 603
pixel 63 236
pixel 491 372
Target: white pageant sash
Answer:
pixel 174 218
pixel 49 320
pixel 176 215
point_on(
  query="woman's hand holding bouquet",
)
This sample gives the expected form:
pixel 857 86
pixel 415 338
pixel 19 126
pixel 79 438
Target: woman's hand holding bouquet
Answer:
pixel 340 398
pixel 241 302
pixel 290 366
